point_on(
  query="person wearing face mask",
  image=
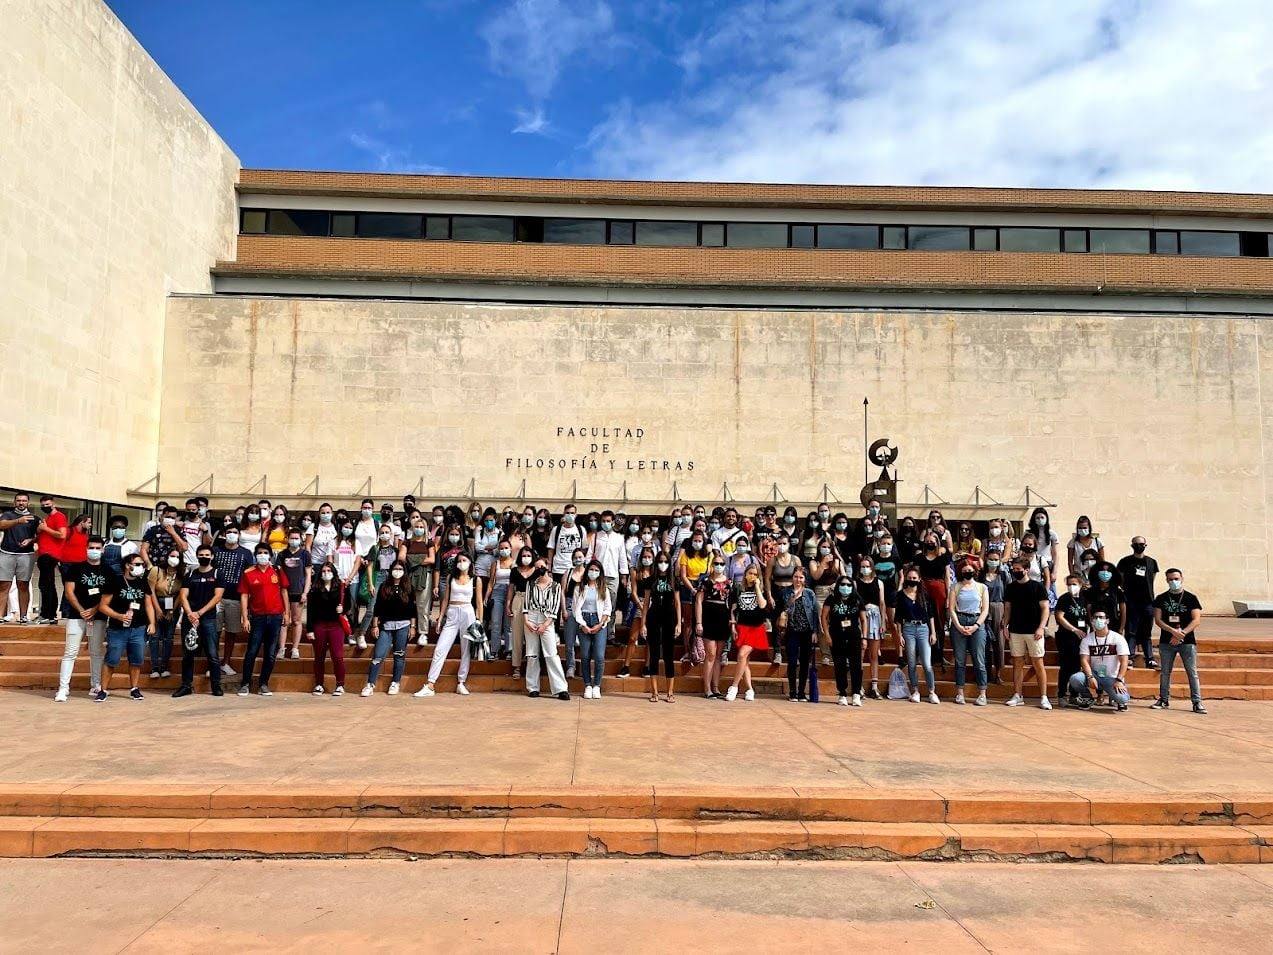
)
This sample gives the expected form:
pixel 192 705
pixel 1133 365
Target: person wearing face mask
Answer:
pixel 84 586
pixel 799 623
pixel 1103 657
pixel 876 600
pixel 51 532
pixel 908 544
pixel 326 607
pixel 460 600
pixel 162 539
pixel 387 520
pixel 421 552
pixel 376 564
pixel 995 576
pixel 998 542
pixel 264 606
pixel 486 540
pixel 366 529
pixel 914 615
pixel 823 571
pixel 570 581
pixel 609 551
pixel 1046 539
pixel 393 625
pixel 276 529
pixel 843 620
pixel 1177 614
pixel 252 529
pixel 195 530
pixel 1025 607
pixel 520 577
pixel 749 612
pixel 165 585
pixel 1073 621
pixel 296 564
pixel 566 538
pixel 936 570
pixel 348 563
pixel 693 562
pixel 884 557
pixel 841 539
pixel 451 545
pixel 660 621
pixel 541 535
pixel 474 519
pixel 130 619
pixel 779 583
pixel 593 610
pixel 727 537
pixel 741 560
pixel 1083 539
pixel 1105 592
pixel 156 516
pixel 200 595
pixel 230 559
pixel 324 537
pixel 542 608
pixel 118 547
pixel 967 608
pixel 1138 572
pixel 713 622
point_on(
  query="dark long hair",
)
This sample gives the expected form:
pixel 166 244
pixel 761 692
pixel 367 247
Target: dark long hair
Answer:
pixel 397 589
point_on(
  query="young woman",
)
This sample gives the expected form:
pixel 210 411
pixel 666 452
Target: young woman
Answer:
pixel 1048 541
pixel 694 561
pixel 542 532
pixel 779 581
pixel 812 536
pixel 843 621
pixel 907 538
pixel 165 583
pixel 799 621
pixel 995 577
pixel 325 606
pixel 660 621
pixel 642 563
pixel 749 609
pixel 967 609
pixel 520 577
pixel 462 596
pixel 914 614
pixel 824 570
pixel 421 553
pixel 1084 539
pixel 252 527
pixel 348 563
pixel 276 534
pixel 570 581
pixel 935 571
pixel 500 628
pixel 377 562
pixel 967 546
pixel 542 609
pixel 712 622
pixel 873 598
pixel 841 539
pixel 592 611
pixel 486 541
pixel 392 626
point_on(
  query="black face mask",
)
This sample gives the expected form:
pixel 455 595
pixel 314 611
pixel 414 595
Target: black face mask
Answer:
pixel 47 508
pixel 1138 548
pixel 1018 574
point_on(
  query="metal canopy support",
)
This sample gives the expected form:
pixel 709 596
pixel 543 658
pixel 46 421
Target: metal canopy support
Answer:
pixel 259 484
pixel 624 491
pixel 417 491
pixel 199 486
pixel 829 496
pixel 776 494
pixel 364 488
pixel 929 493
pixel 312 484
pixel 676 493
pixel 470 492
pixel 521 491
pixel 1040 499
pixel 140 488
pixel 978 493
pixel 725 494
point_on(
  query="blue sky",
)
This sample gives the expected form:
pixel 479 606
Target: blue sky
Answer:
pixel 1130 93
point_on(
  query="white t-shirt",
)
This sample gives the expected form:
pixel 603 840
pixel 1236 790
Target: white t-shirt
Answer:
pixel 366 535
pixel 321 548
pixel 563 542
pixel 1103 653
pixel 725 538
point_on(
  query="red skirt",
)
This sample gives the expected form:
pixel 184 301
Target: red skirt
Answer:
pixel 754 637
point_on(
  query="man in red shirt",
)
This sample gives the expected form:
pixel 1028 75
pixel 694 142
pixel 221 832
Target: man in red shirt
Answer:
pixel 263 597
pixel 49 535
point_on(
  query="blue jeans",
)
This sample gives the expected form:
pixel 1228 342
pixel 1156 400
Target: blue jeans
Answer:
pixel 1104 684
pixel 594 651
pixel 398 639
pixel 1188 654
pixel 915 633
pixel 501 628
pixel 205 639
pixel 161 642
pixel 130 639
pixel 977 643
pixel 262 638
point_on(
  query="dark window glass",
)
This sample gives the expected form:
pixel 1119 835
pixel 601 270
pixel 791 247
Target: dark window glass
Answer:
pixel 894 236
pixel 252 221
pixel 290 222
pixel 621 233
pixel 666 233
pixel 1127 241
pixel 389 225
pixel 802 237
pixel 1029 240
pixel 1166 243
pixel 1209 243
pixel 938 238
pixel 756 235
pixel 529 229
pixel 848 237
pixel 343 224
pixel 437 227
pixel 985 240
pixel 575 231
pixel 1254 244
pixel 1075 240
pixel 482 228
pixel 711 234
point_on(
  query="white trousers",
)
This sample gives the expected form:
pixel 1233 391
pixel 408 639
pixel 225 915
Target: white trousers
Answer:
pixel 544 646
pixel 455 622
pixel 76 627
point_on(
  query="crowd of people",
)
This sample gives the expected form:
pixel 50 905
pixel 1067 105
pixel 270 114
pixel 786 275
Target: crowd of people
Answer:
pixel 695 587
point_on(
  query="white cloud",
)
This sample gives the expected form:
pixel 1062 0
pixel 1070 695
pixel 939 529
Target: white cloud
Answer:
pixel 390 158
pixel 1156 94
pixel 531 121
pixel 531 40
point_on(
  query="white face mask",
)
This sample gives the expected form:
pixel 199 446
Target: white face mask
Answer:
pixel 663 568
pixel 504 552
pixel 594 574
pixel 527 560
pixel 174 560
pixel 1075 590
pixel 462 565
pixel 396 573
pixel 138 570
pixel 783 547
pixel 262 560
pixel 231 539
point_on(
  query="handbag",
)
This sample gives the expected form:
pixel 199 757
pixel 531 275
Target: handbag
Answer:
pixel 343 617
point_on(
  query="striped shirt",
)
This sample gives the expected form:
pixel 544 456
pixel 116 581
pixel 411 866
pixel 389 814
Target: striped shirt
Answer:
pixel 543 600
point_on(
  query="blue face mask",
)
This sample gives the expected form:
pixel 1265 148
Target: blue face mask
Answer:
pixel 490 523
pixel 1175 586
pixel 1104 576
pixel 844 590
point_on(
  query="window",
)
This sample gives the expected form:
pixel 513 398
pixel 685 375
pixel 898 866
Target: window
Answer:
pixel 848 237
pixel 575 231
pixel 802 237
pixel 252 221
pixel 1166 243
pixel 289 222
pixel 528 229
pixel 344 224
pixel 482 228
pixel 620 233
pixel 985 240
pixel 1130 241
pixel 756 235
pixel 389 225
pixel 938 238
pixel 1074 240
pixel 894 236
pixel 1028 239
pixel 658 232
pixel 1209 243
pixel 437 227
pixel 1254 244
pixel 711 234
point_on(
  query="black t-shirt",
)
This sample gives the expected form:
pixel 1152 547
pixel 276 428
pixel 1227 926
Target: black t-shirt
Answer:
pixel 662 593
pixel 1138 577
pixel 1075 610
pixel 161 544
pixel 294 565
pixel 1025 616
pixel 90 583
pixel 843 614
pixel 19 538
pixel 200 587
pixel 129 594
pixel 933 568
pixel 907 610
pixel 715 607
pixel 868 592
pixel 1108 600
pixel 746 606
pixel 1176 612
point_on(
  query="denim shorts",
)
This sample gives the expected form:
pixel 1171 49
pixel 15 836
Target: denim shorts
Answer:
pixel 132 639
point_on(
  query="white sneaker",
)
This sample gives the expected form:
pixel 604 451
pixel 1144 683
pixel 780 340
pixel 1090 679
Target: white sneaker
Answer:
pixel 93 691
pixel 362 642
pixel 915 697
pixel 339 691
pixel 731 694
pixel 959 697
pixel 587 691
pixel 570 673
pixel 393 689
pixel 596 692
pixel 749 695
pixel 62 696
pixel 1014 700
pixel 843 701
pixel 932 698
pixel 227 669
pixel 857 700
pixel 461 689
pixel 296 653
pixel 318 690
pixel 154 674
pixel 980 700
pixel 367 690
pixel 1045 704
pixel 422 641
pixel 282 652
pixel 424 691
pixel 165 673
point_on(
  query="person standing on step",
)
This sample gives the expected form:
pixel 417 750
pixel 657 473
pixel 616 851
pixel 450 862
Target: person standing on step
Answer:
pixel 660 621
pixel 1025 606
pixel 462 596
pixel 230 560
pixel 967 609
pixel 570 581
pixel 877 609
pixel 17 554
pixel 995 577
pixel 166 581
pixel 392 627
pixel 84 587
pixel 918 630
pixel 593 612
pixel 500 625
pixel 519 578
pixel 843 622
pixel 199 597
pixel 542 608
pixel 50 534
pixel 1073 622
pixel 749 610
pixel 295 562
pixel 377 561
pixel 609 549
pixel 799 621
pixel 714 623
pixel 326 608
pixel 130 614
pixel 263 606
pixel 1177 614
pixel 1103 657
pixel 118 546
pixel 421 544
pixel 1139 571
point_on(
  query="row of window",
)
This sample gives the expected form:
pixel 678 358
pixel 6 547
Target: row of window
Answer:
pixel 749 235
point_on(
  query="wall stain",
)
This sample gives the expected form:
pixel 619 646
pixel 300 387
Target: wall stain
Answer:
pixel 254 321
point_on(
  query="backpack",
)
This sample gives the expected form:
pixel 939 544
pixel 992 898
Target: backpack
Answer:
pixel 898 689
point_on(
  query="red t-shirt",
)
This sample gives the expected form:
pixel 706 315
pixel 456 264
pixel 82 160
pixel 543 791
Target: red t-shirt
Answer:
pixel 75 548
pixel 46 543
pixel 264 587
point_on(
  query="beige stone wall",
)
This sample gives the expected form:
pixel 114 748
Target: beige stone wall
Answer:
pixel 1150 425
pixel 113 192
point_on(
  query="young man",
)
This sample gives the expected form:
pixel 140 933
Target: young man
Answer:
pixel 118 546
pixel 195 530
pixel 50 532
pixel 566 537
pixel 295 564
pixel 264 602
pixel 726 537
pixel 129 607
pixel 84 586
pixel 608 547
pixel 1139 571
pixel 200 596
pixel 1177 614
pixel 1103 656
pixel 163 539
pixel 17 553
pixel 230 561
pixel 1025 608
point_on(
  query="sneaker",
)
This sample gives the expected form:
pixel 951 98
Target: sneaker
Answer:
pixel 843 701
pixel 1045 704
pixel 1120 707
pixel 154 674
pixel 826 660
pixel 914 697
pixel 100 696
pixel 362 642
pixel 164 674
pixel 296 653
pixel 587 692
pixel 1153 664
pixel 855 699
pixel 1083 703
pixel 933 698
pixel 533 694
pixel 749 696
pixel 1200 709
pixel 424 691
pixel 461 689
pixel 563 695
pixel 1015 700
pixel 777 659
pixel 959 697
pixel 367 690
pixel 731 694
pixel 873 693
pixel 135 694
pixel 317 691
pixel 570 673
pixel 623 671
pixel 181 691
pixel 394 688
pixel 244 689
pixel 62 696
pixel 339 691
pixel 1160 704
pixel 980 700
pixel 422 641
pixel 282 652
pixel 217 691
pixel 93 691
pixel 264 690
pixel 228 670
pixel 596 692
pixel 45 622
